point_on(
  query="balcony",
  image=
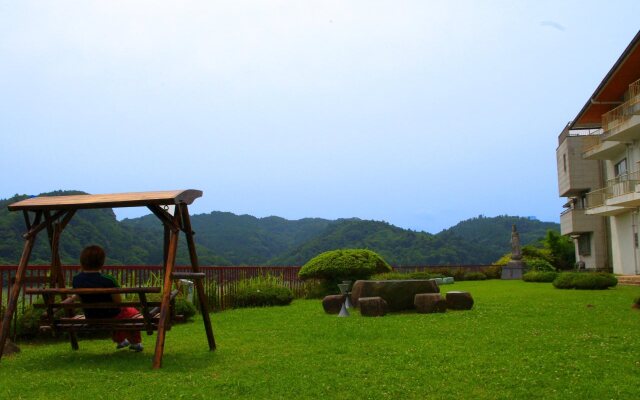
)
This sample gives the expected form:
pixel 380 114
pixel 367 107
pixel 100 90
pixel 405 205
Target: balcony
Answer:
pixel 576 175
pixel 576 221
pixel 602 150
pixel 619 195
pixel 622 124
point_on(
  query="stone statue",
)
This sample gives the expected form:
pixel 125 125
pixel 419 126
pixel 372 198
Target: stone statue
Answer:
pixel 516 250
pixel 514 268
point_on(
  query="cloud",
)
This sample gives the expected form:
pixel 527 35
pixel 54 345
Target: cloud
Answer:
pixel 553 24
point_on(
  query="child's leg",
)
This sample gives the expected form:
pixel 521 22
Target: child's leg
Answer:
pixel 133 336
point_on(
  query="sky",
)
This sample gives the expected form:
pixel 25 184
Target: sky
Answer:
pixel 418 113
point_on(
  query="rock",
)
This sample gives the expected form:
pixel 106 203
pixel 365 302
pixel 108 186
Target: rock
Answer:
pixel 399 294
pixel 373 306
pixel 459 301
pixel 427 303
pixel 10 348
pixel 448 280
pixel 332 303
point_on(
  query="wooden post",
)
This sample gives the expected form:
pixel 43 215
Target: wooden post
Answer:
pixel 15 291
pixel 195 267
pixel 166 296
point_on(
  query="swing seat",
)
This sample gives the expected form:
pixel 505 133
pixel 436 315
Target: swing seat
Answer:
pixel 146 320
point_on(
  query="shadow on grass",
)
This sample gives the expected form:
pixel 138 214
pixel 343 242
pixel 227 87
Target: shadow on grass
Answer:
pixel 100 355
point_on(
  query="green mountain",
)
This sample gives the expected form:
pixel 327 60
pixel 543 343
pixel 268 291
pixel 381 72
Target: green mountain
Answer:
pixel 493 234
pixel 239 239
pixel 224 238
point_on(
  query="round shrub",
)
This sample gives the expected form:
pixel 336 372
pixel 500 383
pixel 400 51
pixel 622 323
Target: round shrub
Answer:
pixel 338 265
pixel 474 276
pixel 540 276
pixel 262 296
pixel 636 302
pixel 585 280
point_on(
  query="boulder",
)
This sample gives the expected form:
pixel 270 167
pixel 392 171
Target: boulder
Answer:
pixel 10 348
pixel 459 301
pixel 399 294
pixel 332 303
pixel 373 307
pixel 427 303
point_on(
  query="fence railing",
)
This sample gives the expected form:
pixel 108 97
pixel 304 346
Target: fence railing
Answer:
pixel 618 186
pixel 622 113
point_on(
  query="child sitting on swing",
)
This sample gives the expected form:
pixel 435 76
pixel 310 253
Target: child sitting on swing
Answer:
pixel 92 260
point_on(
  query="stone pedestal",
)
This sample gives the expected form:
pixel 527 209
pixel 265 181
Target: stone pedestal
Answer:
pixel 513 270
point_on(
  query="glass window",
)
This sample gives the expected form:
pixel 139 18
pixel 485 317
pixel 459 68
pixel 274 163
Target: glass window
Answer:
pixel 620 168
pixel 584 244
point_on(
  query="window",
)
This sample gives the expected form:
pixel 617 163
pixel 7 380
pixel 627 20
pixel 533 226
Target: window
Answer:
pixel 564 162
pixel 584 244
pixel 620 168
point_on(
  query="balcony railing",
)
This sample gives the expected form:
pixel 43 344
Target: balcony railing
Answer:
pixel 618 186
pixel 624 111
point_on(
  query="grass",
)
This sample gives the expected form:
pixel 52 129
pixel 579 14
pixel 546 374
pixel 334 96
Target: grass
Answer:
pixel 521 340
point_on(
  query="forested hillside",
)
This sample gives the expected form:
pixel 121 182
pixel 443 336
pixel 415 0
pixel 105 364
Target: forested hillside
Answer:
pixel 224 238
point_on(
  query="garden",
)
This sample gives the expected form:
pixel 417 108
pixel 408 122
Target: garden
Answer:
pixel 521 340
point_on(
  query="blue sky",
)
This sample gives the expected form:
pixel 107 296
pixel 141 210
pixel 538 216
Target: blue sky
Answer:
pixel 419 113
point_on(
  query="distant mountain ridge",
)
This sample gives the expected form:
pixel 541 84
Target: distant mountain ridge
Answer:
pixel 224 238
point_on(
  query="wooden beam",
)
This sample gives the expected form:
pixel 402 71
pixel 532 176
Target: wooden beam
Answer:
pixel 15 292
pixel 166 298
pixel 195 267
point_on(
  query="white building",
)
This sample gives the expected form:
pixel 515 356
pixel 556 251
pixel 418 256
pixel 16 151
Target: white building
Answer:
pixel 599 170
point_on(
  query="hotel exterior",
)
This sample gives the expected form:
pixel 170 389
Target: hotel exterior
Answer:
pixel 598 161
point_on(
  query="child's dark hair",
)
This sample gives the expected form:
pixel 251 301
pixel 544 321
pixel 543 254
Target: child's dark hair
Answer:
pixel 92 258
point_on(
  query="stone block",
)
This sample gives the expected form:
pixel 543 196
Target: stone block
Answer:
pixel 459 301
pixel 332 303
pixel 373 307
pixel 427 303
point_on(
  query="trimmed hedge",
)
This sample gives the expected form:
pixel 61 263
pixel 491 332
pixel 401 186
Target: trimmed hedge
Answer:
pixel 262 296
pixel 585 280
pixel 386 276
pixel 540 276
pixel 348 264
pixel 474 276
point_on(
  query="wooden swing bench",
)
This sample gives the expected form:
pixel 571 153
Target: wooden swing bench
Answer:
pixel 53 213
pixel 147 319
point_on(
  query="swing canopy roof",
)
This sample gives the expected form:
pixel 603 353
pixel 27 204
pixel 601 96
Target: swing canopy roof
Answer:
pixel 114 200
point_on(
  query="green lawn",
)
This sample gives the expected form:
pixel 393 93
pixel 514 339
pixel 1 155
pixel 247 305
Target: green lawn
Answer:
pixel 521 341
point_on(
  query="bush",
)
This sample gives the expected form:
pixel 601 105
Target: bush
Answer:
pixel 335 266
pixel 263 297
pixel 540 276
pixel 585 280
pixel 261 292
pixel 28 322
pixel 386 276
pixel 539 264
pixel 474 276
pixel 493 272
pixel 185 308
